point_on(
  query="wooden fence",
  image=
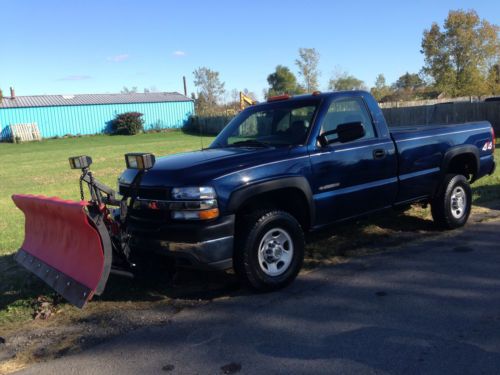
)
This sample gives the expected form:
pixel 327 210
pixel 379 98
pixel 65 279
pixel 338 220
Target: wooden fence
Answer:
pixel 209 125
pixel 444 113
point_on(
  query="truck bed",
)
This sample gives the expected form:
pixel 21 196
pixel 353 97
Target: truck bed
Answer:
pixel 422 148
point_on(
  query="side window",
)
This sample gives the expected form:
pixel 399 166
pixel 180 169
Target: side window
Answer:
pixel 347 110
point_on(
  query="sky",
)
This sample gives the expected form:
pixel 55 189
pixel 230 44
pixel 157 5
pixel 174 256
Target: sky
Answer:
pixel 97 46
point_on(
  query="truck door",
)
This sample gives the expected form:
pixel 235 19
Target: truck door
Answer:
pixel 355 177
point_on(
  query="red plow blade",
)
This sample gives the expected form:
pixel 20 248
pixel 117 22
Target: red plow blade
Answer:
pixel 64 246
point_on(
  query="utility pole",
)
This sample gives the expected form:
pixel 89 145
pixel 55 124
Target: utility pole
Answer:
pixel 185 86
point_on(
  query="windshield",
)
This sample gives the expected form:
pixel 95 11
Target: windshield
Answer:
pixel 280 124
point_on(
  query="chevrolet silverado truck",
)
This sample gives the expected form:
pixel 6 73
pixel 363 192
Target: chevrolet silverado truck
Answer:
pixel 278 171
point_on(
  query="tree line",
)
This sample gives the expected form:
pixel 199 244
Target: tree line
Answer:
pixel 461 58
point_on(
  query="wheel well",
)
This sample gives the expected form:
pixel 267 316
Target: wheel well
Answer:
pixel 464 164
pixel 291 200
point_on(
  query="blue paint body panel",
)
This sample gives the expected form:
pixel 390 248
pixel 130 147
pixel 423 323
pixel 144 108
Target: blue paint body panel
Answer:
pixel 338 181
pixel 93 119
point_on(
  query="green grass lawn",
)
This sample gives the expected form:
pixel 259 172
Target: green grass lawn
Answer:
pixel 42 168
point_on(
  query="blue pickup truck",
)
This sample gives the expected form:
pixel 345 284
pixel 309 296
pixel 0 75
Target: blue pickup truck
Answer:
pixel 293 165
pixel 277 171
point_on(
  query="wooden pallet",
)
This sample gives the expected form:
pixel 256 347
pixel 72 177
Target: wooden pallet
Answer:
pixel 25 132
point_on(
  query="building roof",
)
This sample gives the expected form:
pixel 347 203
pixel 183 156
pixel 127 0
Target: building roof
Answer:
pixel 88 99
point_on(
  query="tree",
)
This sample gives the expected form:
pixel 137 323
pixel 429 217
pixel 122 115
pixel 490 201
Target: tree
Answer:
pixel 126 90
pixel 235 95
pixel 494 79
pixel 409 86
pixel 409 82
pixel 209 86
pixel 381 90
pixel 203 107
pixel 457 57
pixel 283 81
pixel 345 82
pixel 308 68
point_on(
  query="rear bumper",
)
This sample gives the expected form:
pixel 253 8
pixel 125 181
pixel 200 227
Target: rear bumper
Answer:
pixel 201 245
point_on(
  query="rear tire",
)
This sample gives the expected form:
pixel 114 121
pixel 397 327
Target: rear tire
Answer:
pixel 270 250
pixel 451 207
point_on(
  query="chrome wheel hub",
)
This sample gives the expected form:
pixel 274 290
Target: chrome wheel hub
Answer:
pixel 458 202
pixel 275 252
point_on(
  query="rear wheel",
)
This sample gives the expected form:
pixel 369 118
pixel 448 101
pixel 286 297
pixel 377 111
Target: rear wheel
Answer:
pixel 451 208
pixel 270 250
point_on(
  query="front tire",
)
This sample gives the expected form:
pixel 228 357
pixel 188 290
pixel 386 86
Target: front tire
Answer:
pixel 270 250
pixel 451 207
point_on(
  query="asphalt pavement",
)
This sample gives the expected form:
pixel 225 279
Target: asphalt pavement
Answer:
pixel 431 307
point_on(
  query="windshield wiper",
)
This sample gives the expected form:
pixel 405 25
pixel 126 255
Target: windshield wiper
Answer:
pixel 251 143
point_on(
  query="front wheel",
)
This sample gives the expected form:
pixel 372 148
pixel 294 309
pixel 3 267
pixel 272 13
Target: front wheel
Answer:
pixel 451 207
pixel 270 250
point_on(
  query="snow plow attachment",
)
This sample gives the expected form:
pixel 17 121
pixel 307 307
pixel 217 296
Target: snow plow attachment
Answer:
pixel 66 244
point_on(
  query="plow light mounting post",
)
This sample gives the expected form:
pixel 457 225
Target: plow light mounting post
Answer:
pixel 99 192
pixel 80 162
pixel 140 160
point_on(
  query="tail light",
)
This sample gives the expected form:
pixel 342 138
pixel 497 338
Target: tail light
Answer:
pixel 494 138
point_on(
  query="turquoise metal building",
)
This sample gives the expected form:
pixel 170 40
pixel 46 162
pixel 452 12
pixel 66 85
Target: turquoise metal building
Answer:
pixel 58 115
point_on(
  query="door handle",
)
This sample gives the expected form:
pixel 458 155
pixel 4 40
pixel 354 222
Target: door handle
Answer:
pixel 379 153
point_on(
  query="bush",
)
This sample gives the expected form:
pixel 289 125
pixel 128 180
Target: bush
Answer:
pixel 128 123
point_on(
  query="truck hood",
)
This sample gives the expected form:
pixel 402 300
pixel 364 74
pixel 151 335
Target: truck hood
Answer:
pixel 199 167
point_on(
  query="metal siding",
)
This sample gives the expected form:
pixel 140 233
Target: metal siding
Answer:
pixel 92 119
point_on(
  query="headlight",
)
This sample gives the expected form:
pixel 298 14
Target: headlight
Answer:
pixel 80 162
pixel 194 203
pixel 140 160
pixel 195 193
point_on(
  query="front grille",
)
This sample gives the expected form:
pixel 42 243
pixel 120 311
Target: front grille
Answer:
pixel 158 216
pixel 147 221
pixel 146 218
pixel 146 193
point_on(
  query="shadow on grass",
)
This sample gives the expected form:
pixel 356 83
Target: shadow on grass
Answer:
pixel 19 289
pixel 487 196
pixel 383 229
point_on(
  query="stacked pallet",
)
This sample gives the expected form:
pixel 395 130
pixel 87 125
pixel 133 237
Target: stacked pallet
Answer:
pixel 25 132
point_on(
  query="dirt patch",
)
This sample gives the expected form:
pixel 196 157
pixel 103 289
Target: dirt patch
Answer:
pixel 70 330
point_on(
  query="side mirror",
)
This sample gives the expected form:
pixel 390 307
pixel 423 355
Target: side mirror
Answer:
pixel 345 133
